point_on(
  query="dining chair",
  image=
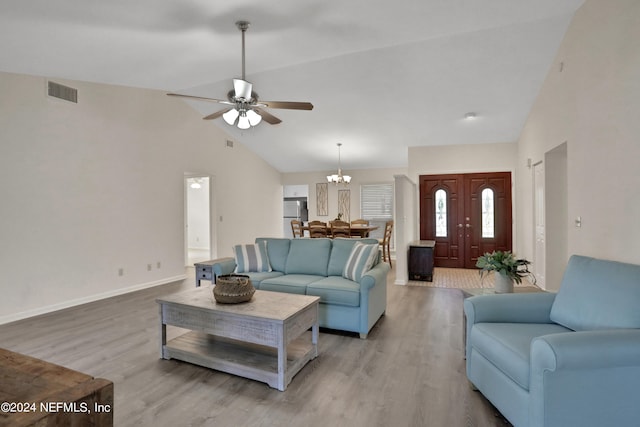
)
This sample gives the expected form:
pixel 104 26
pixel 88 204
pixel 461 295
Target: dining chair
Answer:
pixel 340 229
pixel 360 233
pixel 296 228
pixel 317 229
pixel 385 242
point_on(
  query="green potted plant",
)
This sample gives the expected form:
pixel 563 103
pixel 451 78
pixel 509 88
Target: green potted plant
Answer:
pixel 509 269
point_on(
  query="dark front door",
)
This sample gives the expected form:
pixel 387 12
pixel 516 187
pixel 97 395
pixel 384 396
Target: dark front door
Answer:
pixel 466 214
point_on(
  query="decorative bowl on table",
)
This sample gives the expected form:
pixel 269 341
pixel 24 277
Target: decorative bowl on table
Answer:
pixel 233 289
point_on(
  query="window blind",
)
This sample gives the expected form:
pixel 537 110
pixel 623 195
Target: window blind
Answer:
pixel 376 201
pixel 376 205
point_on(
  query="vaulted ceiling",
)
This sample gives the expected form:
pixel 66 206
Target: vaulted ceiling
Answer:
pixel 383 76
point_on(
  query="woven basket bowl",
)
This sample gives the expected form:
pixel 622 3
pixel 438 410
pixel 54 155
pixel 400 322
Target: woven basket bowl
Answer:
pixel 233 289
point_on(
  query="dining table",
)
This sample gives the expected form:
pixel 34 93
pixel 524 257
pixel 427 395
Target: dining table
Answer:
pixel 356 230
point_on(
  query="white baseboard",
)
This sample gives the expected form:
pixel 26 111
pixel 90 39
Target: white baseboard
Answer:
pixel 79 301
pixel 400 282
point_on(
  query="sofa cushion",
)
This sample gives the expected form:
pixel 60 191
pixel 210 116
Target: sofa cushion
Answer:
pixel 360 261
pixel 336 290
pixel 278 250
pixel 257 278
pixel 507 345
pixel 308 256
pixel 598 294
pixel 340 251
pixel 251 258
pixel 289 283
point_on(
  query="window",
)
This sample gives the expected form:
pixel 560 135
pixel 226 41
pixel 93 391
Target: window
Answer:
pixel 441 213
pixel 376 205
pixel 488 213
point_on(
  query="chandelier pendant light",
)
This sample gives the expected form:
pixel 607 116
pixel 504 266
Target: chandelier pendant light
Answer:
pixel 339 178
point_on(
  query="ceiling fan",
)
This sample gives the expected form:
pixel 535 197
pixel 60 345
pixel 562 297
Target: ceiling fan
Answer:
pixel 245 109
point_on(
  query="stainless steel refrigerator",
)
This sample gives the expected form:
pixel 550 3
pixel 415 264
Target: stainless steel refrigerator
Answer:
pixel 294 208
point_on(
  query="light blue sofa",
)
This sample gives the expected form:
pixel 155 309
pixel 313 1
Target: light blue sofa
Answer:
pixel 315 267
pixel 565 359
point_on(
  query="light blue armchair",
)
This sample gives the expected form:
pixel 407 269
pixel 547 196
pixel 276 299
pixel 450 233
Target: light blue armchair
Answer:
pixel 565 359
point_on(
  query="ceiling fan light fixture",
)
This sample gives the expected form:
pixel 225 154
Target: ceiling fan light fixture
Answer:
pixel 231 116
pixel 254 118
pixel 243 121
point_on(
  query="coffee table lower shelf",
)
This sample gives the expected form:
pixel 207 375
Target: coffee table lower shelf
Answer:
pixel 253 361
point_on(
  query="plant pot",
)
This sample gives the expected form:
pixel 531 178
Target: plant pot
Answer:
pixel 503 284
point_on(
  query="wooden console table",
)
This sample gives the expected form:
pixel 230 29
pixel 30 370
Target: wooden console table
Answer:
pixel 38 393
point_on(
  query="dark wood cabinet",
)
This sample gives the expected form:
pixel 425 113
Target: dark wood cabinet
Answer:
pixel 421 260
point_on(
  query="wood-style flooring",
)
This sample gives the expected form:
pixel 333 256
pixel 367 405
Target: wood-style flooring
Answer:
pixel 409 372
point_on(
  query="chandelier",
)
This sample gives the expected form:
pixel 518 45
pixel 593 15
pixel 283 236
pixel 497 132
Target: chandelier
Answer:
pixel 339 178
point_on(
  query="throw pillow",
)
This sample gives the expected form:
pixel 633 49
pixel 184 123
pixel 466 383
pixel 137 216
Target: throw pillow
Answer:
pixel 360 261
pixel 251 258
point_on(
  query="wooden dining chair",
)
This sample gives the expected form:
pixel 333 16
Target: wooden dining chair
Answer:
pixel 385 242
pixel 296 228
pixel 360 233
pixel 318 229
pixel 340 229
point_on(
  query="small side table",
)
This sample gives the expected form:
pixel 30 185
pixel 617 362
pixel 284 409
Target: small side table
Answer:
pixel 204 271
pixel 421 260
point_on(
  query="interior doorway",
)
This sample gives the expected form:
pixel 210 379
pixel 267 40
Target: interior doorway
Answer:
pixel 540 230
pixel 467 215
pixel 198 234
pixel 556 211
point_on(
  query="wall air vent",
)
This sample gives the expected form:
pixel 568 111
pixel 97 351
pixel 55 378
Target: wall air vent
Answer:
pixel 67 93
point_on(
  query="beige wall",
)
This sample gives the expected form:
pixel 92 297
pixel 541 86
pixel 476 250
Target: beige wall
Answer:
pixel 443 159
pixel 591 100
pixel 89 188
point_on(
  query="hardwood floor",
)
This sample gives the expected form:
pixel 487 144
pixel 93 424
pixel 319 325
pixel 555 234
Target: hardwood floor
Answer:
pixel 409 372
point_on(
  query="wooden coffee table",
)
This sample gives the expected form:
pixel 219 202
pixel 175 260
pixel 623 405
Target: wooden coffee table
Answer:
pixel 266 339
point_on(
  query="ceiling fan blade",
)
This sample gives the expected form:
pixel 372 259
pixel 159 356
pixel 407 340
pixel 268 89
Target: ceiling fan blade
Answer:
pixel 287 105
pixel 216 114
pixel 268 117
pixel 202 98
pixel 242 88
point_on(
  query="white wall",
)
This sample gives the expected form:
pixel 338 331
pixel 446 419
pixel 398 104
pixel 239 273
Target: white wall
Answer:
pixel 591 100
pixel 443 159
pixel 406 224
pixel 89 188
